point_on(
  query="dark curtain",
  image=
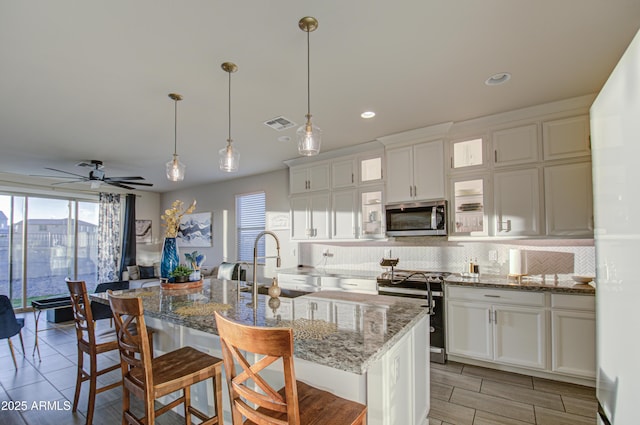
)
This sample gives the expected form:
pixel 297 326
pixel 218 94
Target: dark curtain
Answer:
pixel 129 234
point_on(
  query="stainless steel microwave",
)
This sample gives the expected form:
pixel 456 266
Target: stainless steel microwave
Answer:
pixel 427 218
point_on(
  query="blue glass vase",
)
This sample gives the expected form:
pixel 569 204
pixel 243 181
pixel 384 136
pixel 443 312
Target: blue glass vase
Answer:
pixel 170 257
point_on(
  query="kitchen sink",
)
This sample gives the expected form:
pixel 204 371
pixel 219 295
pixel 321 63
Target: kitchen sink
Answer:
pixel 284 293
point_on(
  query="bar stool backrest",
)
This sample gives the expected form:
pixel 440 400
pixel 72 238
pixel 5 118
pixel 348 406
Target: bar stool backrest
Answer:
pixel 133 341
pixel 82 314
pixel 272 344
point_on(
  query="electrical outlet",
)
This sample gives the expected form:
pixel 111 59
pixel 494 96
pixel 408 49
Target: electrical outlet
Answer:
pixel 493 255
pixel 387 253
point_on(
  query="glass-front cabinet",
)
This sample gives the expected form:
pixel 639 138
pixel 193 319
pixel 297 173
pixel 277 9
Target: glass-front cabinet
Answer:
pixel 469 206
pixel 371 213
pixel 466 154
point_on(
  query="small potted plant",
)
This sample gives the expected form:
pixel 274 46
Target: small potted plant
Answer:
pixel 195 259
pixel 181 273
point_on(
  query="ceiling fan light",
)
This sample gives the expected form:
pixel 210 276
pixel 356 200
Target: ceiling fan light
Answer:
pixel 309 139
pixel 175 169
pixel 229 158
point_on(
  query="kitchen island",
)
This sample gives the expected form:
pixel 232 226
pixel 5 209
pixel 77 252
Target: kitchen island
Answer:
pixel 368 348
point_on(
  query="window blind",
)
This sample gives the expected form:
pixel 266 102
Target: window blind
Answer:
pixel 250 221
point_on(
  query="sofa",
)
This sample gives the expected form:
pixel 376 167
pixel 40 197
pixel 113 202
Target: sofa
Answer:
pixel 140 276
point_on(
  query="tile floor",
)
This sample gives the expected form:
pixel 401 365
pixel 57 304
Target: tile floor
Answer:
pixel 471 395
pixel 460 394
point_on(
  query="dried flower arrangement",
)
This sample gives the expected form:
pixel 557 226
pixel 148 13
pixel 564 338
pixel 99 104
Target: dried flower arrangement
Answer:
pixel 173 215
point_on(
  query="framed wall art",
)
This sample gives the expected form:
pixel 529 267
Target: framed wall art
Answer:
pixel 143 231
pixel 196 230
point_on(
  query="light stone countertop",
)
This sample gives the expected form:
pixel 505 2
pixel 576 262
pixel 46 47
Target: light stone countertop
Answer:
pixel 381 320
pixel 528 284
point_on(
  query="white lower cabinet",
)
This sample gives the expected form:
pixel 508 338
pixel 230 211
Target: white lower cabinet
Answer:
pixel 552 333
pixel 404 371
pixel 520 336
pixel 514 335
pixel 573 333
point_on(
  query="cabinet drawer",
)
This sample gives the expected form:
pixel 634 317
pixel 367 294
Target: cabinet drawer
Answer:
pixel 573 302
pixel 298 279
pixel 496 296
pixel 369 286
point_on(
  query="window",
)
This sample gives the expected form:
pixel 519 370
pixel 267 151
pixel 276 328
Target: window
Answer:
pixel 43 241
pixel 250 221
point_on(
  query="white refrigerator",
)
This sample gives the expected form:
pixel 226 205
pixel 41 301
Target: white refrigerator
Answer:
pixel 615 138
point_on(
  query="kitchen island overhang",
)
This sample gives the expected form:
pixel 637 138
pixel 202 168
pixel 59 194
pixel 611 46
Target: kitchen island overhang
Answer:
pixel 368 348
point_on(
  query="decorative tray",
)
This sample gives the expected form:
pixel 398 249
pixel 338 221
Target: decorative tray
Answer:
pixel 186 285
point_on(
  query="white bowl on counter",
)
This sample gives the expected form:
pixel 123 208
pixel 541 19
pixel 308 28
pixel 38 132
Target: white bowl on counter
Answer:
pixel 583 279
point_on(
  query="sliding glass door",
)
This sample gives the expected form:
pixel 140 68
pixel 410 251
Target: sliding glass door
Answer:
pixel 43 241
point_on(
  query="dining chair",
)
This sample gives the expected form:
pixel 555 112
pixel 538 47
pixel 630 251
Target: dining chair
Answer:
pixel 253 398
pixel 10 325
pixel 151 378
pixel 92 344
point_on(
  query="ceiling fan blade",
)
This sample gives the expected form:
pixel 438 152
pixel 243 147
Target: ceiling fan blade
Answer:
pixel 125 182
pixel 124 186
pixel 56 177
pixel 66 172
pixel 125 178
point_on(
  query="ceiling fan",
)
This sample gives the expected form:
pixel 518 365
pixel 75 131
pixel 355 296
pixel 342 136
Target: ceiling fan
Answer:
pixel 97 176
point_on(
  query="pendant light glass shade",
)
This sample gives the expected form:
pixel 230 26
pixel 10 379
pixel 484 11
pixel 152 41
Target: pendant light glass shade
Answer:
pixel 309 136
pixel 175 168
pixel 228 157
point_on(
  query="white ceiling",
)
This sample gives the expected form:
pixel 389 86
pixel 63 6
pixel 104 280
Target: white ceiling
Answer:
pixel 86 80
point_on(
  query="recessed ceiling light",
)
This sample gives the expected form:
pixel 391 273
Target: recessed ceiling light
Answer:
pixel 497 79
pixel 368 114
pixel 284 139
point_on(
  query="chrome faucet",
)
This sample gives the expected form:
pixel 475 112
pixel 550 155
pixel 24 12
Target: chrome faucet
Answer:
pixel 254 288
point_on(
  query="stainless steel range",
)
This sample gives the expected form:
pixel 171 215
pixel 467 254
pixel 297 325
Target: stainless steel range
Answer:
pixel 418 284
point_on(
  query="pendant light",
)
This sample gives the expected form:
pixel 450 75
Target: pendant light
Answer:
pixel 175 168
pixel 309 136
pixel 229 157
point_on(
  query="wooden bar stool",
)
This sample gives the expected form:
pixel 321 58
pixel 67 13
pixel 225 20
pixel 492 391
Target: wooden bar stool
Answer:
pixel 92 344
pixel 149 379
pixel 296 403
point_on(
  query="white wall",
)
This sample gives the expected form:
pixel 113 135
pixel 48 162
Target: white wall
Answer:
pixel 220 198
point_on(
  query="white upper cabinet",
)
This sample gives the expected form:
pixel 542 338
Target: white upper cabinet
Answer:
pixel 566 138
pixel 343 173
pixel 569 199
pixel 466 154
pixel 415 172
pixel 370 168
pixel 307 178
pixel 310 216
pixel 515 146
pixel 344 214
pixel 517 202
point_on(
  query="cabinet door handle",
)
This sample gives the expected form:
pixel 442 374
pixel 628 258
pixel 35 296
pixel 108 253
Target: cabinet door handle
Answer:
pixel 489 311
pixel 492 296
pixel 495 317
pixel 352 179
pixel 410 191
pixel 495 155
pixel 451 162
pixel 415 191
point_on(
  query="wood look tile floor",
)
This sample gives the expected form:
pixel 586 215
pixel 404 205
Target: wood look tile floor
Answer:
pixel 470 395
pixel 460 394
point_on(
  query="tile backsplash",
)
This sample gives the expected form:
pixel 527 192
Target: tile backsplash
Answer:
pixel 544 256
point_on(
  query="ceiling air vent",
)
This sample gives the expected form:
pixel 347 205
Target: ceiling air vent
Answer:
pixel 280 123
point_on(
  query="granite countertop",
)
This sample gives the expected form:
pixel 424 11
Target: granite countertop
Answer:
pixel 325 272
pixel 380 321
pixel 528 284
